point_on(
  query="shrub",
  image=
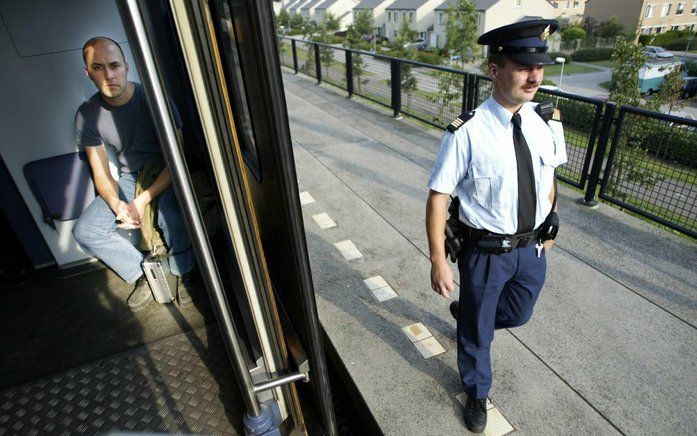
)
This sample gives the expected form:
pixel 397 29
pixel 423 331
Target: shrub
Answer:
pixel 429 57
pixel 670 143
pixel 573 33
pixel 691 67
pixel 665 39
pixel 679 44
pixel 592 54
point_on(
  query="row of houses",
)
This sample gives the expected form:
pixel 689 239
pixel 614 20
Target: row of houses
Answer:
pixel 647 16
pixel 428 17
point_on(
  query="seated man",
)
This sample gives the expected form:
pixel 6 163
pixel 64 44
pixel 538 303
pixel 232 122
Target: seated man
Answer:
pixel 118 117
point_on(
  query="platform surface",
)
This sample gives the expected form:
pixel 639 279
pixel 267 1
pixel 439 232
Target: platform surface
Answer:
pixel 611 348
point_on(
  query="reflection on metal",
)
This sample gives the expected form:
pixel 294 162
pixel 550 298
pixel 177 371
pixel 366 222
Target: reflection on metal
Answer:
pixel 280 382
pixel 162 117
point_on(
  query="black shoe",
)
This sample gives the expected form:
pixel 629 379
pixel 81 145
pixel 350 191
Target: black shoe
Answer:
pixel 186 285
pixel 141 295
pixel 454 308
pixel 475 414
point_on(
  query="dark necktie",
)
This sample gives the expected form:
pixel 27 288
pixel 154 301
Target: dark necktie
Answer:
pixel 526 179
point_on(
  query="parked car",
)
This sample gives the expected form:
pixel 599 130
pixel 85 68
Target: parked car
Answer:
pixel 419 44
pixel 657 52
pixel 689 90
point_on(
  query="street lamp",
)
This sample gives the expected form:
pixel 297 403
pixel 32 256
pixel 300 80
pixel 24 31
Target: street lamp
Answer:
pixel 561 61
pixel 687 48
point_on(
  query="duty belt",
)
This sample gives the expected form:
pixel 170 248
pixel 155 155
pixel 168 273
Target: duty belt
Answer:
pixel 518 240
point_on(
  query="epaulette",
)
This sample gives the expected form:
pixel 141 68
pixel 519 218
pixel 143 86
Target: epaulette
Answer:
pixel 459 121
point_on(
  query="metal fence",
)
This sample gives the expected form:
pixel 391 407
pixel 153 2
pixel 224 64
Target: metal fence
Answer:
pixel 645 162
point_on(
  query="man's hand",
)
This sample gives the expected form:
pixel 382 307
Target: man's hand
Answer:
pixel 548 245
pixel 127 214
pixel 442 278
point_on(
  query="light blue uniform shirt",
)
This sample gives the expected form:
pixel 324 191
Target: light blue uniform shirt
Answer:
pixel 478 163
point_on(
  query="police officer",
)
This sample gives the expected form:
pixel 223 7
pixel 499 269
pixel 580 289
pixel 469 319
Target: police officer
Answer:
pixel 499 161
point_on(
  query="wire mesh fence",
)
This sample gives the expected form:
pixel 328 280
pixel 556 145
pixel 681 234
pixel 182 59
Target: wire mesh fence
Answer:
pixel 333 62
pixel 285 52
pixel 306 58
pixel 431 95
pixel 652 168
pixel 371 78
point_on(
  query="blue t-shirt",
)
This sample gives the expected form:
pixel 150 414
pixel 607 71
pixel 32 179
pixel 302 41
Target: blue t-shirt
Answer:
pixel 128 129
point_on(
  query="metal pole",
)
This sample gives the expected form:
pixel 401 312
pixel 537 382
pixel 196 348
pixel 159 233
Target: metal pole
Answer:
pixel 396 87
pixel 318 65
pixel 295 55
pixel 589 198
pixel 348 59
pixel 159 107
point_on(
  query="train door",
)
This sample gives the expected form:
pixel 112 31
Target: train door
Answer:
pixel 226 50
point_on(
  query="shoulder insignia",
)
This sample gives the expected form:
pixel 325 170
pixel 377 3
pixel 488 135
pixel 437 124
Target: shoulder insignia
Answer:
pixel 459 121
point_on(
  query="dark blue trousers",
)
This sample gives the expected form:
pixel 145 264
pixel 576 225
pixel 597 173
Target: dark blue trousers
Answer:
pixel 496 292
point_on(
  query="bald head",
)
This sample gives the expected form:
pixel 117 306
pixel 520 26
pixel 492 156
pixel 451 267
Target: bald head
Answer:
pixel 100 40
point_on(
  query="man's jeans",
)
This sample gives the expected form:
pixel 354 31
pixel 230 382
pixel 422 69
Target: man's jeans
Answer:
pixel 96 232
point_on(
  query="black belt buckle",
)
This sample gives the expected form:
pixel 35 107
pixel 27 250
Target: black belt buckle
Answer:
pixel 495 244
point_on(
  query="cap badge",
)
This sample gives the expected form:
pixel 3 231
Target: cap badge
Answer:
pixel 545 34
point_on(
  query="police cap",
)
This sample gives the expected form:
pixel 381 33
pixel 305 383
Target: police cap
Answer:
pixel 524 42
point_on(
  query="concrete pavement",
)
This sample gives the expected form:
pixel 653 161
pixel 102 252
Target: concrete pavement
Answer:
pixel 610 349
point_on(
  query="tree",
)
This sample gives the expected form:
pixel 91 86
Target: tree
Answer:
pixel 401 47
pixel 283 18
pixel 363 22
pixel 611 27
pixel 354 40
pixel 296 22
pixel 624 90
pixel 590 25
pixel 461 30
pixel 331 24
pixel 573 33
pixel 670 91
pixel 624 85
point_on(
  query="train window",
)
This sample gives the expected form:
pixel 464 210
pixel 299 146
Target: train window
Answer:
pixel 239 80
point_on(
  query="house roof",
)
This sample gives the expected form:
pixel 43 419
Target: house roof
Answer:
pixel 407 4
pixel 313 3
pixel 369 4
pixel 481 5
pixel 325 4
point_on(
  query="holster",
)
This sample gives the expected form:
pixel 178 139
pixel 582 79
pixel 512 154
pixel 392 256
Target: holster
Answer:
pixel 453 236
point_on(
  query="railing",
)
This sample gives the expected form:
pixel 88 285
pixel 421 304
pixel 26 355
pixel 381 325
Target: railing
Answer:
pixel 642 161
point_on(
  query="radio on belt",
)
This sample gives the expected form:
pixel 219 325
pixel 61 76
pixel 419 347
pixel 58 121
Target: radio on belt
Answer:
pixel 162 284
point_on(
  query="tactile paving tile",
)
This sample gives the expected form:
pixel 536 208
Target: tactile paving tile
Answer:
pixel 182 384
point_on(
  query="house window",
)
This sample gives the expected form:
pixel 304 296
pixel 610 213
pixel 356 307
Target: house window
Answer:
pixel 675 28
pixel 649 11
pixel 694 8
pixel 681 9
pixel 411 17
pixel 556 5
pixel 441 19
pixel 666 10
pixel 518 3
pixel 576 3
pixel 659 29
pixel 646 31
pixel 568 3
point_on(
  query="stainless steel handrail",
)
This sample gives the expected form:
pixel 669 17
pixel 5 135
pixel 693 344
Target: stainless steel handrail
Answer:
pixel 142 53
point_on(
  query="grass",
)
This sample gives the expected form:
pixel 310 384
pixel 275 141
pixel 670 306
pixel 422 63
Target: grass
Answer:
pixel 607 63
pixel 569 69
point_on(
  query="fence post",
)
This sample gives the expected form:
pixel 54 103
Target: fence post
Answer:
pixel 465 92
pixel 589 199
pixel 396 81
pixel 318 65
pixel 349 72
pixel 295 55
pixel 474 95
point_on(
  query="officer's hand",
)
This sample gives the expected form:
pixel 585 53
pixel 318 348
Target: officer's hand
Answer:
pixel 548 245
pixel 442 278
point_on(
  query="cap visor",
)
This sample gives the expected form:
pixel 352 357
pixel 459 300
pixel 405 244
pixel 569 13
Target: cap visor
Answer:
pixel 531 58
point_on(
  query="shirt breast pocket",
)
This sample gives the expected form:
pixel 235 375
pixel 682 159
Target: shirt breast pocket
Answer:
pixel 548 163
pixel 487 186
